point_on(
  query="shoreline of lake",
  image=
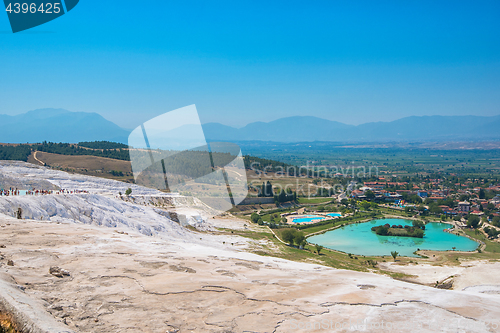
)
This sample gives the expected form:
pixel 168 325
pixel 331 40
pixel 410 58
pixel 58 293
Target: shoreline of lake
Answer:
pixel 357 238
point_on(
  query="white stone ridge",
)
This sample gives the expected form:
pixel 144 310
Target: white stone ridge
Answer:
pixel 67 181
pixel 102 206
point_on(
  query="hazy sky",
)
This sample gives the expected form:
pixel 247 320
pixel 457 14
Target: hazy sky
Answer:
pixel 243 61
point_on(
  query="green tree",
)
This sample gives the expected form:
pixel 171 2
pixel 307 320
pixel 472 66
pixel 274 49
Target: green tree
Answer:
pixel 128 192
pixel 473 221
pixel 382 230
pixel 492 233
pixel 416 233
pixel 496 221
pixel 369 194
pixel 418 224
pixel 416 199
pixel 299 238
pixel 318 248
pixel 254 217
pixel 116 173
pixel 288 235
pixel 365 205
pixel 435 209
pixel 262 190
pixel 269 189
pixel 394 254
pixel 482 194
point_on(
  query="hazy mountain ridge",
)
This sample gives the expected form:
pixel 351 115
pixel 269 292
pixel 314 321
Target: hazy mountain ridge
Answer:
pixel 59 125
pixel 301 129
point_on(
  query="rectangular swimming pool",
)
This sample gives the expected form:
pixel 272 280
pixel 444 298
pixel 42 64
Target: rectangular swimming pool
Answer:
pixel 307 218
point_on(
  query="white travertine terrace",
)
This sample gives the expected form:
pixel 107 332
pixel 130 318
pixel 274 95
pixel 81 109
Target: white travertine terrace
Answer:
pixel 133 269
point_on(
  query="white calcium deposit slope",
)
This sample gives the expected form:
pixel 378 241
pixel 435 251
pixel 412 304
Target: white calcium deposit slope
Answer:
pixel 101 206
pixel 67 181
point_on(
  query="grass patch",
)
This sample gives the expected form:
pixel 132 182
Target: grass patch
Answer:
pixel 319 228
pixel 492 247
pixel 306 201
pixel 327 258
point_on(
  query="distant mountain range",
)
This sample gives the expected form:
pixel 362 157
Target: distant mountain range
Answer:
pixel 306 129
pixel 60 125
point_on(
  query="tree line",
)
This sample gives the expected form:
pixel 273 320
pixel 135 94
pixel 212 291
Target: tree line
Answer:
pixel 266 191
pixel 15 153
pixel 102 145
pixel 23 151
pixel 257 163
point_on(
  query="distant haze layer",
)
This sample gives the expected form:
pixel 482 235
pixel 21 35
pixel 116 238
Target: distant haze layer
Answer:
pixel 58 125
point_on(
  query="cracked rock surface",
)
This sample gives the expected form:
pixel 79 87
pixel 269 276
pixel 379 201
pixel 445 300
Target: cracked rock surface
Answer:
pixel 129 282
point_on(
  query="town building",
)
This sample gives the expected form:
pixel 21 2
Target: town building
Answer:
pixel 464 207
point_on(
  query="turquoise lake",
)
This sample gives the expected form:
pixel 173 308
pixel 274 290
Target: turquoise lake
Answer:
pixel 359 239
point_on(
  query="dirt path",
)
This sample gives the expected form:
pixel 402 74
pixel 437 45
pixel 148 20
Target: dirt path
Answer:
pixel 36 159
pixel 277 236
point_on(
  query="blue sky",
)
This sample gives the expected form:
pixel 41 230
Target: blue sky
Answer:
pixel 245 61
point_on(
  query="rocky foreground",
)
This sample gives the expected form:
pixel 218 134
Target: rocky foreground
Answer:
pixel 76 275
pixel 124 281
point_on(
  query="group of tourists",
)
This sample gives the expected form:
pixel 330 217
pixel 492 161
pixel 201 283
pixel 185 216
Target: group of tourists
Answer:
pixel 70 192
pixel 15 192
pixel 10 192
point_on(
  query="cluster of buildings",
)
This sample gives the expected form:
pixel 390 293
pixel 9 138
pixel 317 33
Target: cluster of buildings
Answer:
pixel 402 194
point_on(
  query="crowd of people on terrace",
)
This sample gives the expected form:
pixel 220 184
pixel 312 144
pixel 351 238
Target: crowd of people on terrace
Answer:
pixel 14 192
